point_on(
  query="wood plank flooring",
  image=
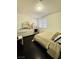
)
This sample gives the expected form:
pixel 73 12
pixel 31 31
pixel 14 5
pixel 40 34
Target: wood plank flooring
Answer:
pixel 32 50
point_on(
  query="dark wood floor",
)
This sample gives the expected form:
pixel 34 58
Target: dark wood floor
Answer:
pixel 31 50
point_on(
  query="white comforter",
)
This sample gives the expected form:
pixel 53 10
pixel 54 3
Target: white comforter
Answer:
pixel 25 32
pixel 44 38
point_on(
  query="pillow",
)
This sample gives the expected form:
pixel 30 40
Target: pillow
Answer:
pixel 57 38
pixel 55 35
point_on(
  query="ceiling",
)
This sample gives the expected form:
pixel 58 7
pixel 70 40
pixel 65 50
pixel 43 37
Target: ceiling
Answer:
pixel 27 7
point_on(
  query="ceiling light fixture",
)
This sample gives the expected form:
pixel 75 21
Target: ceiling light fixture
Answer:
pixel 39 6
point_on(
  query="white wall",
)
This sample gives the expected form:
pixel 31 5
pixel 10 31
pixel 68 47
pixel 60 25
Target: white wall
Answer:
pixel 54 22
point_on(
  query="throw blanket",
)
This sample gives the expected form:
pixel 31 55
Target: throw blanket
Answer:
pixel 54 50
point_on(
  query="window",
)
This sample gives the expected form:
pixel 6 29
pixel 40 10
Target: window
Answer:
pixel 42 23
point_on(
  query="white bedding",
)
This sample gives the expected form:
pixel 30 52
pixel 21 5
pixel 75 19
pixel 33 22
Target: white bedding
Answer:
pixel 44 38
pixel 26 32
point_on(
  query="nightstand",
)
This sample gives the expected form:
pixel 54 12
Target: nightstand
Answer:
pixel 36 31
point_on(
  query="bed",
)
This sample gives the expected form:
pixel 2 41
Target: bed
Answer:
pixel 25 32
pixel 44 39
pixel 26 29
pixel 47 40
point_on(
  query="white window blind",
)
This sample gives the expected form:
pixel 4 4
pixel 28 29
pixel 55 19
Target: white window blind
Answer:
pixel 42 23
